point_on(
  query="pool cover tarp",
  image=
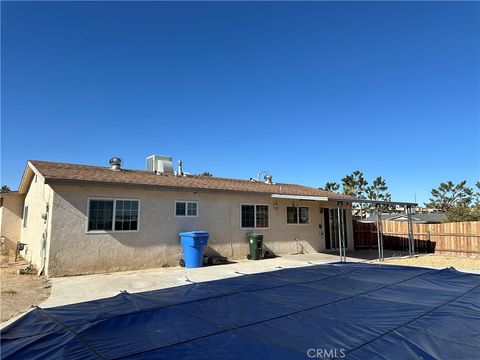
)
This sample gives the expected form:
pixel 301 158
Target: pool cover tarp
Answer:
pixel 352 311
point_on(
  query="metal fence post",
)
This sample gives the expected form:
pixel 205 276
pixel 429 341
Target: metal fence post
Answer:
pixel 411 244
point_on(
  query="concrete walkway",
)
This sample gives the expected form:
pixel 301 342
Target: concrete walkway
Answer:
pixel 74 289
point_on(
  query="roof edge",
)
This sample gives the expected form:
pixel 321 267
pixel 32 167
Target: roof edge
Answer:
pixel 29 172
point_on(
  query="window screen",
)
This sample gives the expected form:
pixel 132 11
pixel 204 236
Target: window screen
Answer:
pixel 126 215
pixel 303 215
pixel 262 216
pixel 192 209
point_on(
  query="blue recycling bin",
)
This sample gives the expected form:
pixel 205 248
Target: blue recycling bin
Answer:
pixel 193 243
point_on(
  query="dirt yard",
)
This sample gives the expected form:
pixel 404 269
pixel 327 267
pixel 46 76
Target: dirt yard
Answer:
pixel 437 261
pixel 19 292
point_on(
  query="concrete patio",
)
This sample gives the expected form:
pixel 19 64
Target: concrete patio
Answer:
pixel 75 289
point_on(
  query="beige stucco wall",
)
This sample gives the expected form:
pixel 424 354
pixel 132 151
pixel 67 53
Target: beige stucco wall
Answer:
pixel 38 200
pixel 74 251
pixel 11 214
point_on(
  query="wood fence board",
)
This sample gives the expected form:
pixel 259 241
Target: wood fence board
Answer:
pixel 459 239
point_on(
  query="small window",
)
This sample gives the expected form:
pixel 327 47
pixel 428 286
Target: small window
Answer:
pixel 117 215
pixel 254 216
pixel 25 217
pixel 186 208
pixel 298 215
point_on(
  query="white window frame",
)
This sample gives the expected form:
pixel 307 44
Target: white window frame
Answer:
pixel 298 215
pixel 186 208
pixel 113 216
pixel 255 215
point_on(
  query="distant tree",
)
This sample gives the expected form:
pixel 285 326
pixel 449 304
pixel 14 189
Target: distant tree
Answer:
pixel 477 194
pixel 379 191
pixel 462 213
pixel 355 185
pixel 5 189
pixel 331 186
pixel 448 195
pixel 206 173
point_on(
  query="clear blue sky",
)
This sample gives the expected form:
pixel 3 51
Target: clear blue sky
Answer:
pixel 310 91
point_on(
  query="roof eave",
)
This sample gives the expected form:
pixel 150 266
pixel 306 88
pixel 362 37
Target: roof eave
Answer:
pixel 311 198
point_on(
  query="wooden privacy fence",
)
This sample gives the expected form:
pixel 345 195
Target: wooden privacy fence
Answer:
pixel 459 239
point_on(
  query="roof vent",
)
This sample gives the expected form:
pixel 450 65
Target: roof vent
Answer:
pixel 180 168
pixel 116 163
pixel 160 164
pixel 268 179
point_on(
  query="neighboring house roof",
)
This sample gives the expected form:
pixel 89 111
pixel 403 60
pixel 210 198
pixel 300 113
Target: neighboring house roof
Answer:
pixel 9 193
pixel 427 218
pixel 55 172
pixel 437 217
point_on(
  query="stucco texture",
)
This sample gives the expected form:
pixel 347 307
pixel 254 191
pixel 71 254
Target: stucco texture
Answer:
pixel 36 232
pixel 11 214
pixel 73 250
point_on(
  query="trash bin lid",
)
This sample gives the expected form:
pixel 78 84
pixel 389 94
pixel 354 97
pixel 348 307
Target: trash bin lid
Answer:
pixel 254 235
pixel 193 233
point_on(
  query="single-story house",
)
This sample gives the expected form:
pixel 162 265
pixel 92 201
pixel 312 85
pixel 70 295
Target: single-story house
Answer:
pixel 80 219
pixel 421 218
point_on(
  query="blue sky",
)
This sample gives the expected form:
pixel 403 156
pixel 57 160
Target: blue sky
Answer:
pixel 309 91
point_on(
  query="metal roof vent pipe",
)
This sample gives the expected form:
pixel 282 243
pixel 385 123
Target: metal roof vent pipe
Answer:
pixel 180 170
pixel 268 179
pixel 115 164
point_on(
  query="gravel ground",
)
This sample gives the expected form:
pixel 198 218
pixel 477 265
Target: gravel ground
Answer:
pixel 19 292
pixel 437 261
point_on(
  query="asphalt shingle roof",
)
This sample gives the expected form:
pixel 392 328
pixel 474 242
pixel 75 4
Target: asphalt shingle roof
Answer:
pixel 87 174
